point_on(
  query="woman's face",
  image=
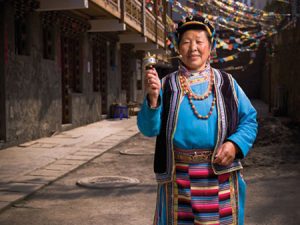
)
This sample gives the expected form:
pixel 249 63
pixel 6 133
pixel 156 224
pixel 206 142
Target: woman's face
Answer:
pixel 195 49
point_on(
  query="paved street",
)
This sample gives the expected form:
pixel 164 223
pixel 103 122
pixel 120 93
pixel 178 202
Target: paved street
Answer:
pixel 31 166
pixel 63 202
pixel 271 171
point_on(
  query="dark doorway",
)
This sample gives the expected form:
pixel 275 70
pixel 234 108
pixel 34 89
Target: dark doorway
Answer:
pixel 100 61
pixel 126 71
pixel 3 61
pixel 66 58
pixel 71 74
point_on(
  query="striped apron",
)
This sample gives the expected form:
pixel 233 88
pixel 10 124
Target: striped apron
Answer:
pixel 200 196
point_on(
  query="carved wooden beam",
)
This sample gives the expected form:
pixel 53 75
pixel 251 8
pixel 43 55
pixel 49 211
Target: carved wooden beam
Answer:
pixel 132 38
pixel 46 5
pixel 145 46
pixel 106 25
pixel 123 11
pixel 144 17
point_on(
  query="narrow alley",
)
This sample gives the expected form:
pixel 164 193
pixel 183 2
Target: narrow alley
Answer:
pixel 83 82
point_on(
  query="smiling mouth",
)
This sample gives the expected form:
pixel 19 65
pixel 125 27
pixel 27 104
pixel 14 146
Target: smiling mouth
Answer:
pixel 193 56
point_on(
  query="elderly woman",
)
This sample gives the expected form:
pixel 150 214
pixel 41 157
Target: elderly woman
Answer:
pixel 204 125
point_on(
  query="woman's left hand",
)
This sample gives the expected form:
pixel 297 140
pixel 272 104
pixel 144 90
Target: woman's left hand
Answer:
pixel 226 154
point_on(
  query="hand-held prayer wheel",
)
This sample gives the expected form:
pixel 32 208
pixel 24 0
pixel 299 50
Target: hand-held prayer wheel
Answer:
pixel 149 61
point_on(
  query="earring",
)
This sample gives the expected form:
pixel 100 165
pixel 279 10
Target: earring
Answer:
pixel 207 61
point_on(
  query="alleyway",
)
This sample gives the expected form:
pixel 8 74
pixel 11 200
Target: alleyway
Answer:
pixel 271 171
pixel 73 75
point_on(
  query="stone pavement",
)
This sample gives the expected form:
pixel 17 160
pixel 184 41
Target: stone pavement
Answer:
pixel 26 168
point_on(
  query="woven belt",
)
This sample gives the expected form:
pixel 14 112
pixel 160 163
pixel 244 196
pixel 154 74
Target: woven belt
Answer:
pixel 193 156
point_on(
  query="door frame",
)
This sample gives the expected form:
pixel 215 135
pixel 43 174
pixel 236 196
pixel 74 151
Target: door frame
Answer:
pixel 3 61
pixel 66 105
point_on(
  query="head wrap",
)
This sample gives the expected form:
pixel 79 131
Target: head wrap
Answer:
pixel 196 23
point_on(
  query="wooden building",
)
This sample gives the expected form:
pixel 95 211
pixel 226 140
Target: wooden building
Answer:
pixel 64 63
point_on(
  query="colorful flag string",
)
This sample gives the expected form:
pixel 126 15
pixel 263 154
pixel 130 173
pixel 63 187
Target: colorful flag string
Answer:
pixel 242 27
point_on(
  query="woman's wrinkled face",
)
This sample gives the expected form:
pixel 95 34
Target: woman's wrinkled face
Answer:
pixel 195 49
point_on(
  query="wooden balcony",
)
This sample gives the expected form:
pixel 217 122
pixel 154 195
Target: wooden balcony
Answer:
pixel 115 15
pixel 111 6
pixel 134 14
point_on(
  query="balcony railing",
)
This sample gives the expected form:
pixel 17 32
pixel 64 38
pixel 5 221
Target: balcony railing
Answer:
pixel 160 33
pixel 111 6
pixel 152 27
pixel 133 15
pixel 114 4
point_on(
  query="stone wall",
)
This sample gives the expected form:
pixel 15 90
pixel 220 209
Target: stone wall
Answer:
pixel 2 93
pixel 85 109
pixel 33 88
pixel 33 100
pixel 281 79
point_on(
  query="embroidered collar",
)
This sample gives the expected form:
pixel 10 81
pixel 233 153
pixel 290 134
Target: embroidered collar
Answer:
pixel 188 73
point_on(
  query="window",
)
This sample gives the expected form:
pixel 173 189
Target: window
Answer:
pixel 48 43
pixel 77 65
pixel 72 63
pixel 21 36
pixel 96 67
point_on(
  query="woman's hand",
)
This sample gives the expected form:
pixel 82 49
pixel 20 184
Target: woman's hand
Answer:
pixel 226 154
pixel 153 86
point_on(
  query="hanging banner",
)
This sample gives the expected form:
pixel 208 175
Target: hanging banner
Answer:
pixel 242 28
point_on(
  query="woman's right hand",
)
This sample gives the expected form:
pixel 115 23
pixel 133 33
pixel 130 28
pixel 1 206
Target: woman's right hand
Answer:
pixel 153 86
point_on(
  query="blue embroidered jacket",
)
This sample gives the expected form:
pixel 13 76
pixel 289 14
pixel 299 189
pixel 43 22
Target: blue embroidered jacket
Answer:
pixel 234 119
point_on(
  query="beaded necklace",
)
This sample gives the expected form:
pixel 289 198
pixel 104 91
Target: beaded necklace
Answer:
pixel 198 80
pixel 185 85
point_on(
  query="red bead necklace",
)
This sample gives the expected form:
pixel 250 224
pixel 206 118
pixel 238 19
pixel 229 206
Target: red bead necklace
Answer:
pixel 192 96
